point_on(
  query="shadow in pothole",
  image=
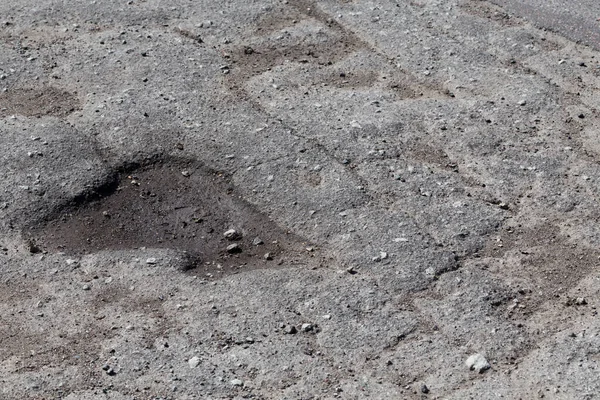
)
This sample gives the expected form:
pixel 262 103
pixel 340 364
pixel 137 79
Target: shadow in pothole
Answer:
pixel 172 204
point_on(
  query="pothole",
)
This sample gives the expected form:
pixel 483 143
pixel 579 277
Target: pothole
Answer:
pixel 179 205
pixel 38 102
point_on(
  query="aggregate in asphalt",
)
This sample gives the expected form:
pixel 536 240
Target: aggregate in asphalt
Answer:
pixel 579 20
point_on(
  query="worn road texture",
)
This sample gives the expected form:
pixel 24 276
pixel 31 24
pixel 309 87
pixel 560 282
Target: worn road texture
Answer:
pixel 576 19
pixel 410 183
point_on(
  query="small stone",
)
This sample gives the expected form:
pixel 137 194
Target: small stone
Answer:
pixel 351 270
pixel 307 327
pixel 290 330
pixel 234 248
pixel 70 261
pixel 424 389
pixel 382 256
pixel 151 261
pixel 477 362
pixel 257 241
pixel 232 234
pixel 268 256
pixel 194 362
pixel 326 316
pixel 580 301
pixel 522 102
pixel 86 287
pixel 236 382
pixel 109 370
pixel 185 173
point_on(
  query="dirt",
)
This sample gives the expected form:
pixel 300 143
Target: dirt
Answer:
pixel 38 102
pixel 552 272
pixel 176 204
pixel 491 12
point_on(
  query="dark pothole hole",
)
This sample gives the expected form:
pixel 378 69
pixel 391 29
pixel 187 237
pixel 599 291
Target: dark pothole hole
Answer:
pixel 170 204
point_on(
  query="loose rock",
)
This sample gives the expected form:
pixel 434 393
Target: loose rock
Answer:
pixel 109 370
pixel 290 330
pixel 580 301
pixel 236 382
pixel 194 362
pixel 232 234
pixel 382 256
pixel 234 248
pixel 478 363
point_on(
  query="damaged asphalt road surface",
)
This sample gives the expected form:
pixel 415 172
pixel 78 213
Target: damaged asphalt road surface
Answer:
pixel 298 200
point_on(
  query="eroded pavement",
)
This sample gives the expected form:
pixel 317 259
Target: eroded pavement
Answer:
pixel 414 182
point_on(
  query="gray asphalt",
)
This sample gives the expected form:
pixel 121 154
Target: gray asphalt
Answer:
pixel 423 175
pixel 575 19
